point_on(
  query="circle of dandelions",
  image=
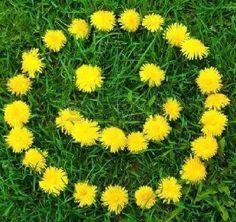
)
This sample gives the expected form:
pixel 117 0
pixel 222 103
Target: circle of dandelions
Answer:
pixel 87 132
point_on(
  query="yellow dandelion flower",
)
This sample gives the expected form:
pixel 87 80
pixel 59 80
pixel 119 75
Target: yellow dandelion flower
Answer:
pixel 145 197
pixel 54 40
pixel 156 128
pixel 53 181
pixel 169 190
pixel 86 132
pixel 129 20
pixel 88 78
pixel 176 34
pixel 103 20
pixel 67 118
pixel 213 122
pixel 79 28
pixel 19 139
pixel 193 170
pixel 19 85
pixel 115 198
pixel 172 109
pixel 16 113
pixel 35 159
pixel 136 142
pixel 194 49
pixel 153 22
pixel 204 147
pixel 85 194
pixel 114 139
pixel 31 63
pixel 209 80
pixel 151 74
pixel 216 101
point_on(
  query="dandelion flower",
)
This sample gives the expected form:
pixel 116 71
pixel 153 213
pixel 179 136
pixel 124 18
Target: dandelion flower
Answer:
pixel 209 80
pixel 19 85
pixel 145 197
pixel 213 122
pixel 152 74
pixel 204 147
pixel 136 142
pixel 88 78
pixel 35 159
pixel 115 198
pixel 79 28
pixel 16 113
pixel 129 20
pixel 193 170
pixel 19 139
pixel 85 132
pixel 194 49
pixel 85 194
pixel 153 22
pixel 169 190
pixel 103 20
pixel 176 34
pixel 172 109
pixel 156 128
pixel 67 118
pixel 216 101
pixel 54 40
pixel 31 63
pixel 53 181
pixel 114 139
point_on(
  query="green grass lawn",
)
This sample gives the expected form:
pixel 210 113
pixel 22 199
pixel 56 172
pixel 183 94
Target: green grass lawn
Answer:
pixel 123 101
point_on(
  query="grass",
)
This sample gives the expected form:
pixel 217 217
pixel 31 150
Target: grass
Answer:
pixel 123 101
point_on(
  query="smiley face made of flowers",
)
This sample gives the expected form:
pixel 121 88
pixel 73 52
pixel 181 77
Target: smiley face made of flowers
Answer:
pixel 87 132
